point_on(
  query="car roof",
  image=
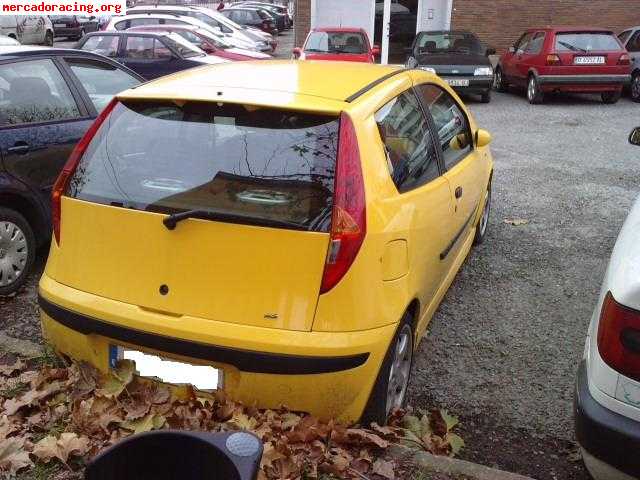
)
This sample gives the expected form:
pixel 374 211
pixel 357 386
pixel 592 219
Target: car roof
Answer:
pixel 182 8
pixel 164 26
pixel 339 29
pixel 22 51
pixel 567 28
pixel 279 83
pixel 166 16
pixel 124 32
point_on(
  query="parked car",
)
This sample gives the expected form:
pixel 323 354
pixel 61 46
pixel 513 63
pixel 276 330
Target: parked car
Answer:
pixel 333 43
pixel 206 41
pixel 8 41
pixel 280 9
pixel 607 398
pixel 279 18
pixel 234 34
pixel 317 243
pixel 48 99
pixel 73 26
pixel 149 54
pixel 554 59
pixel 27 29
pixel 459 57
pixel 252 17
pixel 630 39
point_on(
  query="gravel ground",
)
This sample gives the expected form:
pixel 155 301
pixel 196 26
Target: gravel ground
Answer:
pixel 503 349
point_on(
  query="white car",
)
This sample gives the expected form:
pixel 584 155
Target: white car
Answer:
pixel 607 402
pixel 8 41
pixel 27 29
pixel 231 31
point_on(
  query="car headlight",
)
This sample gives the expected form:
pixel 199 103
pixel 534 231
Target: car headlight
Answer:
pixel 428 69
pixel 483 71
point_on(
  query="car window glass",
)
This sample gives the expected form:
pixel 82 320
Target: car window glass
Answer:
pixel 586 41
pixel 122 25
pixel 160 50
pixel 448 42
pixel 450 123
pixel 336 42
pixel 624 36
pixel 139 47
pixel 34 91
pixel 137 22
pixel 411 153
pixel 535 45
pixel 106 45
pixel 101 80
pixel 634 43
pixel 523 42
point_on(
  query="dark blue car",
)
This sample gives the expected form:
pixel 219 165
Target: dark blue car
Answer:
pixel 150 54
pixel 48 99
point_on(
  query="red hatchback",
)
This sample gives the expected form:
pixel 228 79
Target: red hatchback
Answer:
pixel 344 44
pixel 557 59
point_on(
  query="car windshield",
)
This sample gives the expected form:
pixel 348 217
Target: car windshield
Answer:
pixel 462 43
pixel 586 42
pixel 253 165
pixel 184 48
pixel 336 42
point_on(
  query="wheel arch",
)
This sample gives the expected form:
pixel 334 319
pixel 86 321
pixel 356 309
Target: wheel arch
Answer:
pixel 30 211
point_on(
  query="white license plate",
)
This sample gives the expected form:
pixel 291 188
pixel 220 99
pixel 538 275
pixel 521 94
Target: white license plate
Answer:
pixel 589 60
pixel 202 377
pixel 458 82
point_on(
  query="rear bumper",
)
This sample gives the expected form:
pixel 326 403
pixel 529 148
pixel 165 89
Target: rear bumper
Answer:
pixel 326 374
pixel 477 84
pixel 587 80
pixel 608 436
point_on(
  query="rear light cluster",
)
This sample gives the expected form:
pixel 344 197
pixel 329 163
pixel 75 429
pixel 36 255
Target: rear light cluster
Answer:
pixel 619 337
pixel 625 59
pixel 348 220
pixel 62 182
pixel 553 59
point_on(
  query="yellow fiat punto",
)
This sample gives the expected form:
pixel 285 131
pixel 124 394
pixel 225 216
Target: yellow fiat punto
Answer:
pixel 282 231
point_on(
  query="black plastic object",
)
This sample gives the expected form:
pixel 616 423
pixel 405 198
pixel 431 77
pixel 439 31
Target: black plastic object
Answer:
pixel 179 455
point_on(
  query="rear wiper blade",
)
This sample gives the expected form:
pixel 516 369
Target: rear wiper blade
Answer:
pixel 172 220
pixel 573 48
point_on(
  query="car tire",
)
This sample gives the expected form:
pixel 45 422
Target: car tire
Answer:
pixel 486 97
pixel 17 250
pixel 483 222
pixel 635 87
pixel 534 94
pixel 499 82
pixel 610 98
pixel 390 390
pixel 48 38
pixel 81 34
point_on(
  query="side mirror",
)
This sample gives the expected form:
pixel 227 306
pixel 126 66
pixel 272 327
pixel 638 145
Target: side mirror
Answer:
pixel 491 51
pixel 297 52
pixel 512 49
pixel 482 138
pixel 634 138
pixel 375 50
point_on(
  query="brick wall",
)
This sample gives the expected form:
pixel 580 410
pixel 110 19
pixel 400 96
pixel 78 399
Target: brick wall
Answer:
pixel 500 22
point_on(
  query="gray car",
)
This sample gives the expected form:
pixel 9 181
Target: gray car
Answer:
pixel 631 40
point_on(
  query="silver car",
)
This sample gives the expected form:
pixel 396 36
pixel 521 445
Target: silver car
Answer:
pixel 631 40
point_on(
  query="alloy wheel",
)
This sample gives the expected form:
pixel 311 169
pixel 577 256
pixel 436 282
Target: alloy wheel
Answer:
pixel 484 220
pixel 400 369
pixel 635 88
pixel 497 81
pixel 13 253
pixel 531 89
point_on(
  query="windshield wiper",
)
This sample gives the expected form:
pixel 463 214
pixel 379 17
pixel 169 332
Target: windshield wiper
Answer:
pixel 172 220
pixel 573 48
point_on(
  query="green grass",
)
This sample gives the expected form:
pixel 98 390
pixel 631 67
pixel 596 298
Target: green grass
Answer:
pixel 49 358
pixel 41 471
pixel 14 390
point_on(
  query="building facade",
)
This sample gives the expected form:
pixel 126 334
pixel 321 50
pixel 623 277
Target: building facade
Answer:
pixel 498 23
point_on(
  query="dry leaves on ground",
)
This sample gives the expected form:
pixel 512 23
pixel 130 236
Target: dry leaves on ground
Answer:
pixel 65 416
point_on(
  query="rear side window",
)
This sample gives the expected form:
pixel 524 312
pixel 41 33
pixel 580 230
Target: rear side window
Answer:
pixel 586 42
pixel 535 45
pixel 246 164
pixel 263 15
pixel 34 92
pixel 106 45
pixel 411 153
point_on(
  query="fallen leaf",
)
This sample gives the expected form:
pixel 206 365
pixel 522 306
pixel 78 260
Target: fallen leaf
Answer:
pixel 456 442
pixel 147 423
pixel 516 222
pixel 12 405
pixel 8 370
pixel 13 456
pixel 62 448
pixel 87 380
pixel 384 468
pixel 117 380
pixel 450 420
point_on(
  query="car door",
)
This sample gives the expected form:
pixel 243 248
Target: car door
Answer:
pixel 41 119
pixel 98 81
pixel 512 66
pixel 633 47
pixel 148 57
pixel 463 168
pixel 413 163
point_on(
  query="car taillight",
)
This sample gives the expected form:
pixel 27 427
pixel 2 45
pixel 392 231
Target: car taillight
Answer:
pixel 619 337
pixel 266 24
pixel 348 219
pixel 553 60
pixel 62 182
pixel 625 59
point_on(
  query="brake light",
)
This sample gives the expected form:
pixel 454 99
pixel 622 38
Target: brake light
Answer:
pixel 62 182
pixel 553 59
pixel 619 337
pixel 348 219
pixel 625 59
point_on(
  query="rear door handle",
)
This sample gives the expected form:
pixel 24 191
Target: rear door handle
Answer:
pixel 458 192
pixel 19 148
